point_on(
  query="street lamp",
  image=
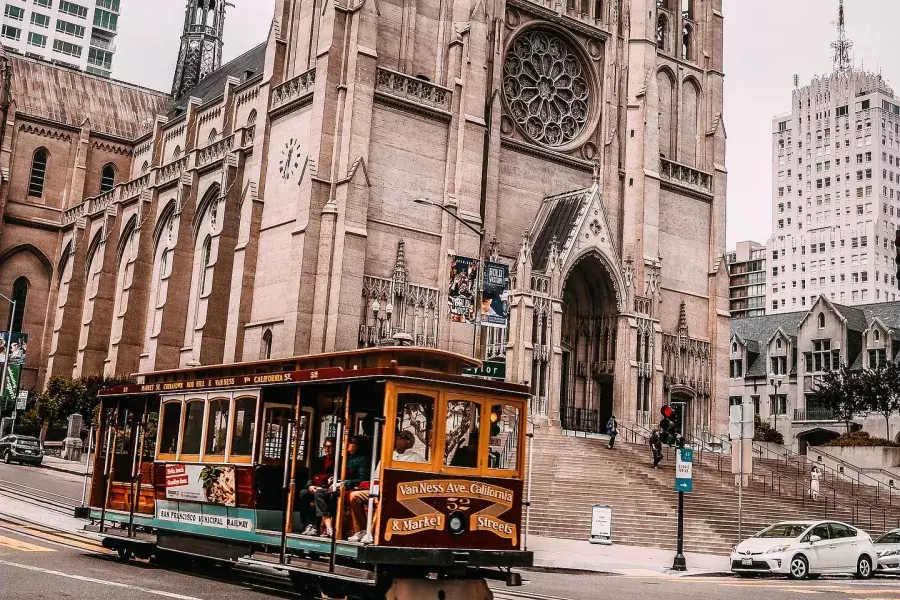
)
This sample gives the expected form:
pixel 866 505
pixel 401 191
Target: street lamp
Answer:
pixel 776 381
pixel 478 283
pixel 12 316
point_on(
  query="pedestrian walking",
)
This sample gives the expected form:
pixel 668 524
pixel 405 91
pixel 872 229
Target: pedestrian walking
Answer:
pixel 814 478
pixel 656 447
pixel 612 430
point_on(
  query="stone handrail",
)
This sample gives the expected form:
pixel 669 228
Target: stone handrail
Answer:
pixel 685 176
pixel 101 202
pixel 134 187
pixel 413 89
pixel 292 89
pixel 75 213
pixel 215 151
pixel 171 171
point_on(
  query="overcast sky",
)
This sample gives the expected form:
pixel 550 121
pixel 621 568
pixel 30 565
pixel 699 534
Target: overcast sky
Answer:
pixel 766 43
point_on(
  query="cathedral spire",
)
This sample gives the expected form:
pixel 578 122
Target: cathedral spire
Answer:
pixel 201 44
pixel 842 45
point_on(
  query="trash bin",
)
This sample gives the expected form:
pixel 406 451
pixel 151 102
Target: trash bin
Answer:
pixel 601 524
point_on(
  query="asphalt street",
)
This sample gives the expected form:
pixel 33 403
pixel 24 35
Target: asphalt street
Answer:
pixel 38 561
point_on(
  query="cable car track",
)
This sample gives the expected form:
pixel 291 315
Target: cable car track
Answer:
pixel 31 495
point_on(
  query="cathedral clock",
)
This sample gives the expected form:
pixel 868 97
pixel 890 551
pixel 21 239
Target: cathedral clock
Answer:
pixel 290 159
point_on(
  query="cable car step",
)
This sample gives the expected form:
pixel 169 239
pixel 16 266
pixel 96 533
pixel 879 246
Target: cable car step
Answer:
pixel 311 567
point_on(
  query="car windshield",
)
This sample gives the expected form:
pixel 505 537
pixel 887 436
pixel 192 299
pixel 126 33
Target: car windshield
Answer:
pixel 782 530
pixel 27 442
pixel 891 537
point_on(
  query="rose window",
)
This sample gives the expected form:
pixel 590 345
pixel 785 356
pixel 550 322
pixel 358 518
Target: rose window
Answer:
pixel 545 88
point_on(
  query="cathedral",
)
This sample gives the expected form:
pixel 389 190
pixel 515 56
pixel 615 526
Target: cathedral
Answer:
pixel 313 195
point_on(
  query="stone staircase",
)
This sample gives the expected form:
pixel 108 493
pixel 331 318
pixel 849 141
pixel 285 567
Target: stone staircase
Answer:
pixel 571 474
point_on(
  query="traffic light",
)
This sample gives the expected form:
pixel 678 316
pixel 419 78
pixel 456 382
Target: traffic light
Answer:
pixel 667 425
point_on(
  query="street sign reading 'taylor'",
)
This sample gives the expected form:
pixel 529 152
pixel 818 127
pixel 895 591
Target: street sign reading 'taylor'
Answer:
pixel 684 470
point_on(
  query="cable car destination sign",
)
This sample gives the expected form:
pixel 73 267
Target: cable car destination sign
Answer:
pixel 225 382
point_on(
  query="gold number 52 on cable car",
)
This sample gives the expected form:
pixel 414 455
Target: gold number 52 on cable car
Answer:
pixel 360 474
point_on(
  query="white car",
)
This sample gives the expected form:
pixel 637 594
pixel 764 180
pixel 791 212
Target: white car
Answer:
pixel 806 549
pixel 888 549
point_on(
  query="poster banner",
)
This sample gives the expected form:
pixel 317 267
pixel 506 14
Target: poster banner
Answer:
pixel 11 391
pixel 461 294
pixel 212 484
pixel 17 349
pixel 494 291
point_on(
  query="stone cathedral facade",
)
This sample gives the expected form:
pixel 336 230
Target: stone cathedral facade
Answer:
pixel 270 211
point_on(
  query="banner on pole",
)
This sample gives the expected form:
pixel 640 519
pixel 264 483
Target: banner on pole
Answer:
pixel 494 290
pixel 461 292
pixel 11 391
pixel 684 470
pixel 16 348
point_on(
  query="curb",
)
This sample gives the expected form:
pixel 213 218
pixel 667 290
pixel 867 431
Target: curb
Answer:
pixel 61 470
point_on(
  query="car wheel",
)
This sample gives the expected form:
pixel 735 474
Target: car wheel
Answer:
pixel 864 568
pixel 799 568
pixel 7 458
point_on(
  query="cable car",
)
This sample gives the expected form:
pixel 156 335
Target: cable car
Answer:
pixel 361 474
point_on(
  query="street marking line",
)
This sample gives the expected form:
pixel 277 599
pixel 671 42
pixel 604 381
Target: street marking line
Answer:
pixel 58 538
pixel 21 546
pixel 114 584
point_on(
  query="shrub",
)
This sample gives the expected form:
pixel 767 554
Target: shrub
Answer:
pixel 860 439
pixel 766 433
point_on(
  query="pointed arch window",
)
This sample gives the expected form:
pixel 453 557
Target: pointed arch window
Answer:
pixel 662 33
pixel 164 257
pixel 205 266
pixel 821 320
pixel 20 295
pixel 176 154
pixel 251 119
pixel 213 136
pixel 38 173
pixel 108 178
pixel 145 167
pixel 687 42
pixel 877 335
pixel 265 352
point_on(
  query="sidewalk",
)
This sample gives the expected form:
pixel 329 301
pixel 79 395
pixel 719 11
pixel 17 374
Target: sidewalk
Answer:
pixel 65 466
pixel 554 553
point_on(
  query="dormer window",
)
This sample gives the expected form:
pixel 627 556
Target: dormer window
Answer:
pixel 734 347
pixel 778 344
pixel 876 335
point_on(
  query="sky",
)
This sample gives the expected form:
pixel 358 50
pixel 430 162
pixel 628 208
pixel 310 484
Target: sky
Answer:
pixel 766 43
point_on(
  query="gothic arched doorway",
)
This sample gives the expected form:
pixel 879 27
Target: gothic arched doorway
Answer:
pixel 588 345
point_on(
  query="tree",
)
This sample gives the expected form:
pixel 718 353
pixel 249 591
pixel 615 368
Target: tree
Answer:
pixel 839 391
pixel 879 389
pixel 46 409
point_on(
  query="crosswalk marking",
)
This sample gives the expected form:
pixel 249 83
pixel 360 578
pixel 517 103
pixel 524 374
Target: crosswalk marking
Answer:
pixel 21 546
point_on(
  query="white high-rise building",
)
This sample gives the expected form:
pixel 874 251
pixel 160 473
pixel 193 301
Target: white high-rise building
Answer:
pixel 78 34
pixel 836 191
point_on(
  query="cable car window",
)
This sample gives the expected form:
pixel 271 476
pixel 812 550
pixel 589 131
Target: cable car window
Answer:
pixel 462 435
pixel 149 442
pixel 414 431
pixel 171 423
pixel 244 426
pixel 504 439
pixel 275 432
pixel 217 426
pixel 193 428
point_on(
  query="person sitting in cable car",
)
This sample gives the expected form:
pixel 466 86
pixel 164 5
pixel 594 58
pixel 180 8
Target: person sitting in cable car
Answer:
pixel 359 470
pixel 403 451
pixel 321 476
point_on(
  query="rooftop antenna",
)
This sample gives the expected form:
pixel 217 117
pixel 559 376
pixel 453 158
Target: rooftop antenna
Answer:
pixel 842 45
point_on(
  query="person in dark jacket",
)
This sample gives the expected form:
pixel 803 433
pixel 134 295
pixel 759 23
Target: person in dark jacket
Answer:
pixel 358 474
pixel 612 430
pixel 656 446
pixel 321 476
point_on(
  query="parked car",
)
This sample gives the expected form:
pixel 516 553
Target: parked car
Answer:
pixel 888 549
pixel 806 549
pixel 22 449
